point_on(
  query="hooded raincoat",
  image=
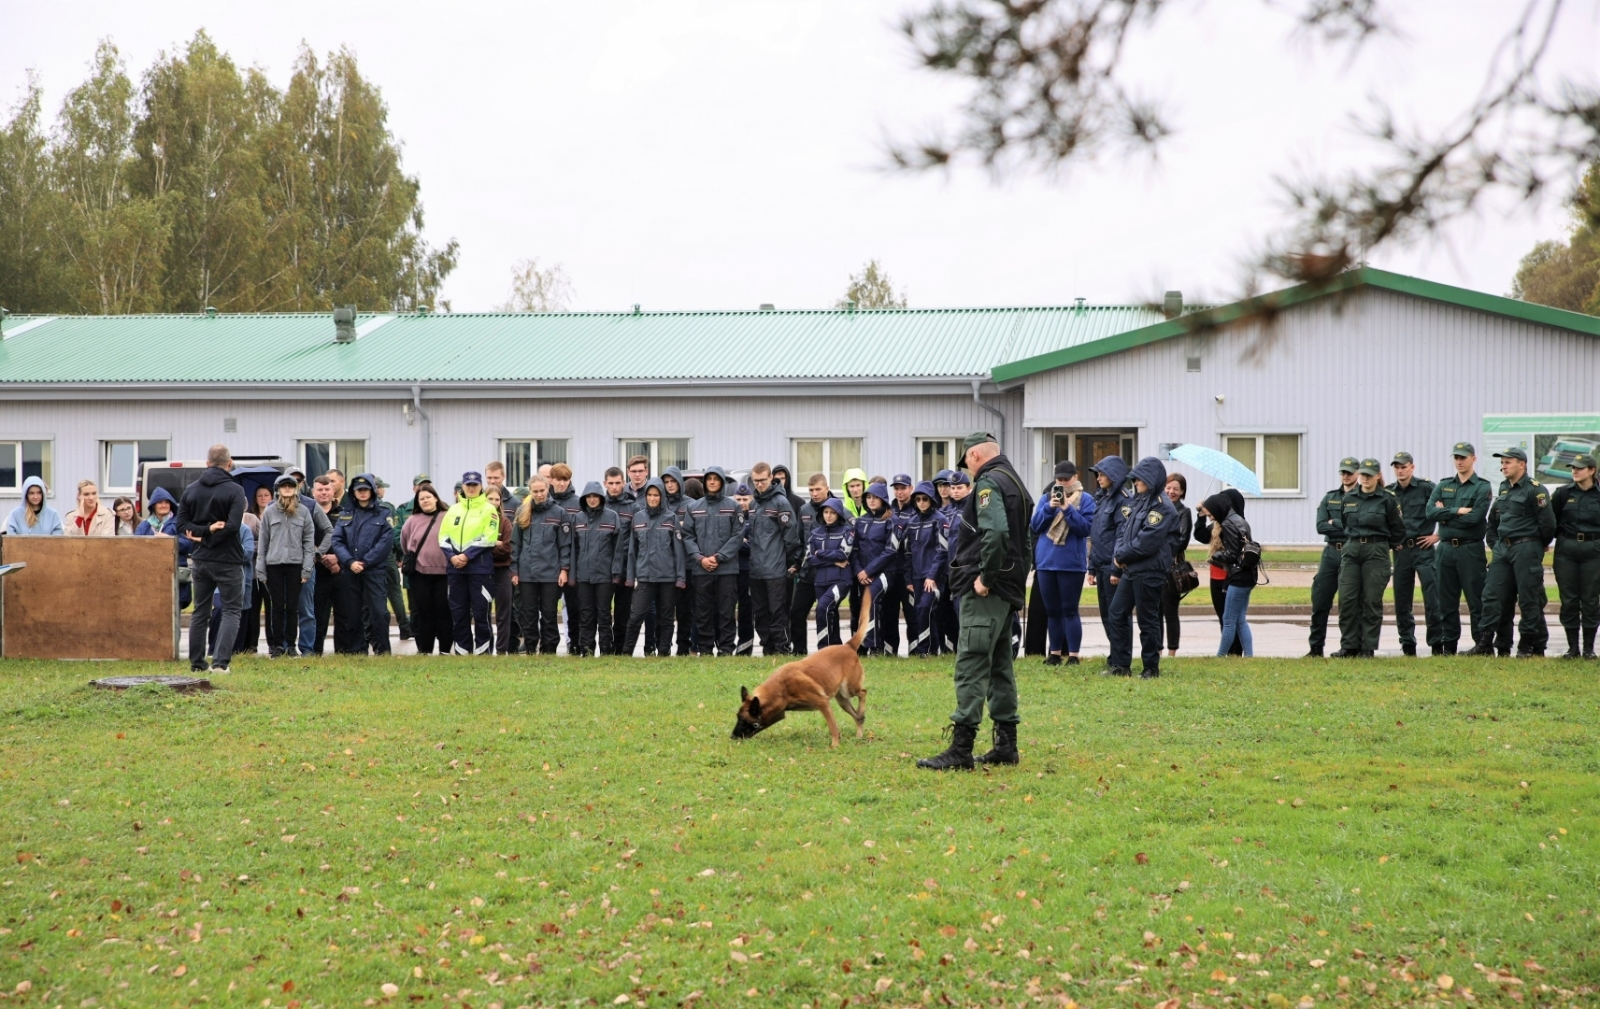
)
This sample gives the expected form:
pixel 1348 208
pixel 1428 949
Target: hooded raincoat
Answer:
pixel 46 523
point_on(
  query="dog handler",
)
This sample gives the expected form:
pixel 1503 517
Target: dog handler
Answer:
pixel 990 573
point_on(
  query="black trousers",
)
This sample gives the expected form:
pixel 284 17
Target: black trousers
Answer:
pixel 537 603
pixel 471 592
pixel 716 612
pixel 505 605
pixel 594 620
pixel 621 607
pixel 1104 592
pixel 1219 601
pixel 828 602
pixel 226 581
pixel 772 615
pixel 327 591
pixel 573 606
pixel 1141 592
pixel 1169 614
pixel 685 621
pixel 283 609
pixel 663 598
pixel 1035 640
pixel 747 615
pixel 362 612
pixel 802 596
pixel 430 613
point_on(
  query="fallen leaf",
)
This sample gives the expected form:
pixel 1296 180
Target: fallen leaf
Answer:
pixel 738 957
pixel 969 945
pixel 180 970
pixel 1382 859
pixel 1318 963
pixel 287 838
pixel 1141 858
pixel 24 987
pixel 1219 975
pixel 884 984
pixel 288 986
pixel 390 989
pixel 948 931
pixel 1446 982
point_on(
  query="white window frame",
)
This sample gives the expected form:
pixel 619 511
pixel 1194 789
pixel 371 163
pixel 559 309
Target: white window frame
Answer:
pixel 333 453
pixel 952 451
pixel 1261 459
pixel 654 452
pixel 827 455
pixel 47 477
pixel 139 460
pixel 535 454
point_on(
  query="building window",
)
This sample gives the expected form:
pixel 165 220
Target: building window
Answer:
pixel 662 452
pixel 524 456
pixel 21 459
pixel 1274 458
pixel 935 454
pixel 348 456
pixel 123 463
pixel 831 456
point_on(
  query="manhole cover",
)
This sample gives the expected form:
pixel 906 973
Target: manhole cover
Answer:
pixel 178 683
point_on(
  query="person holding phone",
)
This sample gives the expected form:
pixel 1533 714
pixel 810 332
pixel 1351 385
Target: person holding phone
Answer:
pixel 1061 522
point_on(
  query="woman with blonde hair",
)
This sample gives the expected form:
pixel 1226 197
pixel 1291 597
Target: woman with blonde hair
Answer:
pixel 90 519
pixel 33 517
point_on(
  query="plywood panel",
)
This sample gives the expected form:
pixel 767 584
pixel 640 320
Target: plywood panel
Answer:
pixel 100 598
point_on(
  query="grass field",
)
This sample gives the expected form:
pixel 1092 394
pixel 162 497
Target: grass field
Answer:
pixel 523 832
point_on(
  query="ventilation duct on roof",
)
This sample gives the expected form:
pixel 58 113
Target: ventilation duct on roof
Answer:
pixel 767 306
pixel 1172 304
pixel 344 324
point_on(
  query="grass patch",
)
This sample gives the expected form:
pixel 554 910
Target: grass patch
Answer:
pixel 533 832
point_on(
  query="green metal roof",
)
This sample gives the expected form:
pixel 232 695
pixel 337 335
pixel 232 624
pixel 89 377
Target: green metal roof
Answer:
pixel 1267 304
pixel 527 348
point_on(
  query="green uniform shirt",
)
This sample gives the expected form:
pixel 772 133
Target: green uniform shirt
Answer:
pixel 993 528
pixel 1413 500
pixel 1452 494
pixel 1373 515
pixel 1330 516
pixel 1522 510
pixel 1577 510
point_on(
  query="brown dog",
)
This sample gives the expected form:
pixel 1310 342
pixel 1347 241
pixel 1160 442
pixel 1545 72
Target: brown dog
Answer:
pixel 810 684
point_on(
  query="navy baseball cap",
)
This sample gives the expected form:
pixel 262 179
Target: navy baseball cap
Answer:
pixel 471 476
pixel 960 479
pixel 901 479
pixel 743 490
pixel 943 476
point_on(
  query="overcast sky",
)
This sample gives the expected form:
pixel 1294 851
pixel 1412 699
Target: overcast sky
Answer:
pixel 688 154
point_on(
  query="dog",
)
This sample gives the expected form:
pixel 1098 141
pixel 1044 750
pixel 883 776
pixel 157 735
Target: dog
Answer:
pixel 810 684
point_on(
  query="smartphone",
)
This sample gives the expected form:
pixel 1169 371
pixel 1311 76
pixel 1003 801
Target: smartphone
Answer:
pixel 1058 493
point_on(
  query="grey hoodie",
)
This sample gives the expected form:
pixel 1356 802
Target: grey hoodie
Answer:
pixel 598 540
pixel 713 527
pixel 286 539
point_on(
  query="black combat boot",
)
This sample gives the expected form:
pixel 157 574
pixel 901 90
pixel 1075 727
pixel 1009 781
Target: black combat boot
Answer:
pixel 959 755
pixel 1315 653
pixel 1150 672
pixel 1483 648
pixel 1572 646
pixel 1409 651
pixel 1004 750
pixel 1588 642
pixel 1447 649
pixel 1436 650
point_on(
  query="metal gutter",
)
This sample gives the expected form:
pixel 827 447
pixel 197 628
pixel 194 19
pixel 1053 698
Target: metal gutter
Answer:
pixel 402 389
pixel 976 384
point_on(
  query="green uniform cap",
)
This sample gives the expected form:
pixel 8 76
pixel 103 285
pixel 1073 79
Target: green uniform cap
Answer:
pixel 1512 453
pixel 1463 449
pixel 1349 464
pixel 1584 461
pixel 380 483
pixel 1370 467
pixel 1403 458
pixel 421 478
pixel 977 438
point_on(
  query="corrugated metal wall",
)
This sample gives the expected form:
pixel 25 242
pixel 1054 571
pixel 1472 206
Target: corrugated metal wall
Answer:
pixel 1367 374
pixel 728 431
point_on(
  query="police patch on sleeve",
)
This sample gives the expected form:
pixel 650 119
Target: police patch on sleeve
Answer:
pixel 983 498
pixel 1154 518
pixel 783 517
pixel 1127 510
pixel 1541 500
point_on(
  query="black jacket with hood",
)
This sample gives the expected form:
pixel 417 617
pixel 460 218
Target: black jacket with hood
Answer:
pixel 1235 534
pixel 599 540
pixel 215 497
pixel 714 527
pixel 775 544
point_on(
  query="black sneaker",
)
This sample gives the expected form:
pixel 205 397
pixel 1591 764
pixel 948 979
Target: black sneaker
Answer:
pixel 1118 671
pixel 1053 659
pixel 1344 653
pixel 1366 655
pixel 1482 650
pixel 1315 653
pixel 1436 650
pixel 1447 650
pixel 1150 674
pixel 1531 655
pixel 1072 660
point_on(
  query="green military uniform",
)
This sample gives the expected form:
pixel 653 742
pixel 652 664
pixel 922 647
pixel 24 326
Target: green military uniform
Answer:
pixel 1330 526
pixel 1459 557
pixel 1577 513
pixel 994 545
pixel 1373 527
pixel 1415 563
pixel 1520 524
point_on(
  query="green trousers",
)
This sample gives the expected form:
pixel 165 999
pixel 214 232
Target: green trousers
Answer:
pixel 1461 569
pixel 1411 565
pixel 983 662
pixel 1515 578
pixel 1323 587
pixel 1578 577
pixel 1363 573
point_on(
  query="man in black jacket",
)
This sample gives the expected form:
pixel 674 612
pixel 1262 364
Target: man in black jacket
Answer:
pixel 208 516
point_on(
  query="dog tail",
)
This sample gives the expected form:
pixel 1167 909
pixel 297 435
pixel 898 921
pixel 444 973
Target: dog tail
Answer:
pixel 866 624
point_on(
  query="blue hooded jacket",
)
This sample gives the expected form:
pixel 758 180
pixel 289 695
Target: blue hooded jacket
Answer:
pixel 48 522
pixel 1108 503
pixel 1072 553
pixel 878 537
pixel 362 534
pixel 926 544
pixel 828 545
pixel 1144 538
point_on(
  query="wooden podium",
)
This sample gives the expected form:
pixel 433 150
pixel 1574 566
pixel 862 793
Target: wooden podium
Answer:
pixel 102 597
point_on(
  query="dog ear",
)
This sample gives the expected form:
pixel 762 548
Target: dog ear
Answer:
pixel 744 694
pixel 755 707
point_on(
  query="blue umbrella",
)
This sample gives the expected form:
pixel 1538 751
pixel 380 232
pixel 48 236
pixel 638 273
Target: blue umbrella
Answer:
pixel 1220 465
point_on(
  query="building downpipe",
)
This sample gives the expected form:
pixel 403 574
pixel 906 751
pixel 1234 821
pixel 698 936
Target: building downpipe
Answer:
pixel 427 429
pixel 997 414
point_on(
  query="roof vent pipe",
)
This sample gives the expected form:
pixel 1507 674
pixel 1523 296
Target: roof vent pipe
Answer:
pixel 1080 302
pixel 849 306
pixel 636 308
pixel 344 324
pixel 1172 304
pixel 767 306
pixel 211 313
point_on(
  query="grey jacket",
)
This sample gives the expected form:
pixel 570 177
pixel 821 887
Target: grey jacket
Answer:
pixel 542 551
pixel 774 535
pixel 286 539
pixel 656 551
pixel 599 540
pixel 713 527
